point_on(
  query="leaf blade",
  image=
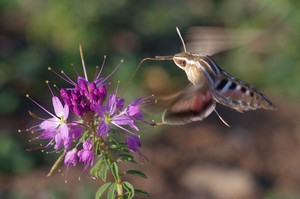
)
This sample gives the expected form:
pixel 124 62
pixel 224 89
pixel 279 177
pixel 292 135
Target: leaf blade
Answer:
pixel 112 191
pixel 130 189
pixel 101 190
pixel 136 173
pixel 115 171
pixel 141 192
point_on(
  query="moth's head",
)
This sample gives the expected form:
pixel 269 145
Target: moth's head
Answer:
pixel 188 62
pixel 183 60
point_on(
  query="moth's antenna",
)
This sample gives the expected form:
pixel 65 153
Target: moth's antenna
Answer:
pixel 179 34
pixel 221 118
pixel 157 58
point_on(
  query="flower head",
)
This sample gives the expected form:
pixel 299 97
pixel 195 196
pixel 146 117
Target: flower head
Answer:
pixel 57 125
pixel 71 158
pixel 133 110
pixel 84 94
pixel 56 129
pixel 133 143
pixel 86 155
pixel 110 115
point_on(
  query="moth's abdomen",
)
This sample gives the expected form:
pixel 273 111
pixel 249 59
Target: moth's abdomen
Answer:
pixel 239 95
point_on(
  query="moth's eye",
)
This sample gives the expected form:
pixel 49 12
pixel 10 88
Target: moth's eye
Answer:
pixel 183 63
pixel 180 62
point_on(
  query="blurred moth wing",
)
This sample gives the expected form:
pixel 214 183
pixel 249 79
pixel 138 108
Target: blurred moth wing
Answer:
pixel 194 103
pixel 210 40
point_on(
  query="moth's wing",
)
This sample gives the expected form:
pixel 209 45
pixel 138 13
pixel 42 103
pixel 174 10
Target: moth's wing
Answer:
pixel 238 95
pixel 192 104
pixel 212 40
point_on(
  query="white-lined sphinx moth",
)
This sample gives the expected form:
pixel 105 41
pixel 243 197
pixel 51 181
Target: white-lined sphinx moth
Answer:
pixel 210 84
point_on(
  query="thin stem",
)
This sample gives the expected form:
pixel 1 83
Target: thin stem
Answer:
pixel 56 164
pixel 105 148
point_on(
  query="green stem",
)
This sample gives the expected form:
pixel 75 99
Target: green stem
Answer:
pixel 111 159
pixel 120 189
pixel 105 148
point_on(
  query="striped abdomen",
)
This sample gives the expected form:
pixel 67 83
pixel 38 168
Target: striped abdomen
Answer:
pixel 239 95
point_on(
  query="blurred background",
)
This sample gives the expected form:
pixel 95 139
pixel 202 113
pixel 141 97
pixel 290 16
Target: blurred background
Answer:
pixel 258 157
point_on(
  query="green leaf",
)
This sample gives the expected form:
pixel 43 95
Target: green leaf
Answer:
pixel 113 146
pixel 102 189
pixel 94 171
pixel 129 188
pixel 111 140
pixel 119 146
pixel 107 159
pixel 115 171
pixel 112 191
pixel 126 157
pixel 141 192
pixel 103 172
pixel 84 136
pixel 136 173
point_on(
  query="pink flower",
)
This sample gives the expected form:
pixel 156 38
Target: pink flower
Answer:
pixel 133 143
pixel 86 155
pixel 110 114
pixel 71 158
pixel 56 127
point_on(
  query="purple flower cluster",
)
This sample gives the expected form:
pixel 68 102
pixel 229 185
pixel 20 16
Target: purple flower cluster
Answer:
pixel 95 117
pixel 81 99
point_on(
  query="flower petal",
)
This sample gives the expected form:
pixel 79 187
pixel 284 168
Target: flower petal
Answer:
pixel 134 127
pixel 136 102
pixel 87 145
pixel 82 83
pixel 64 131
pixel 122 120
pixel 49 133
pixel 134 111
pixel 71 157
pixel 58 141
pixel 75 131
pixel 67 143
pixel 99 110
pixel 111 104
pixel 51 123
pixel 133 143
pixel 58 107
pixel 103 128
pixel 120 103
pixel 66 112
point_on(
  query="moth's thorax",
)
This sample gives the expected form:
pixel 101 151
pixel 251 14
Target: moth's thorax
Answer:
pixel 194 75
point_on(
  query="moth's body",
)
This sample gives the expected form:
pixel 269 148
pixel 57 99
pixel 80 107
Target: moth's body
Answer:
pixel 210 84
pixel 226 89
